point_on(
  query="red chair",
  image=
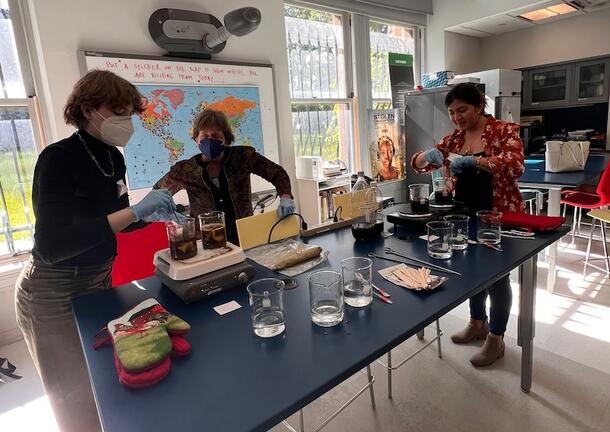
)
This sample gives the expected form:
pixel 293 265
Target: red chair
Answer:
pixel 135 252
pixel 584 199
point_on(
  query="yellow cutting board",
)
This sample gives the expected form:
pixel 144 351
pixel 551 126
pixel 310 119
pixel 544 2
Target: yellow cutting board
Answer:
pixel 254 230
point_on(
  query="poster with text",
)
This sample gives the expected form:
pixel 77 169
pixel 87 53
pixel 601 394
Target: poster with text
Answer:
pixel 386 150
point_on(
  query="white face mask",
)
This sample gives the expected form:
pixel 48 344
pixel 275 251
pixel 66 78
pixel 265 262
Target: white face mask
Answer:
pixel 115 130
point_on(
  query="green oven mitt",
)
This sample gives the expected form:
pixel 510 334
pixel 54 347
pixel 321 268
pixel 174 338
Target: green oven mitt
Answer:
pixel 141 337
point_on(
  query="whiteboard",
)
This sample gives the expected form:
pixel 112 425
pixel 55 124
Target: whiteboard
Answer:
pixel 195 72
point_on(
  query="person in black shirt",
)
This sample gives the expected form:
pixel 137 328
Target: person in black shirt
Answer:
pixel 80 201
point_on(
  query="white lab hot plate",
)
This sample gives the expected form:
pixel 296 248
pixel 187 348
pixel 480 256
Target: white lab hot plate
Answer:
pixel 206 261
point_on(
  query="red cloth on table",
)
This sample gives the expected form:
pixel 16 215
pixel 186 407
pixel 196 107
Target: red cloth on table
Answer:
pixel 531 222
pixel 135 252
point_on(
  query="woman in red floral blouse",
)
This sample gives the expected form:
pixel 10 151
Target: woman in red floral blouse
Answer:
pixel 485 157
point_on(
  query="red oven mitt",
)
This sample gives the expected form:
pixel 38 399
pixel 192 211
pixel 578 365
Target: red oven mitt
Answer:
pixel 531 222
pixel 143 340
pixel 149 377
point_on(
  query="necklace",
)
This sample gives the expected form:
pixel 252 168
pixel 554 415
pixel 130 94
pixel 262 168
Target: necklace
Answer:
pixel 111 174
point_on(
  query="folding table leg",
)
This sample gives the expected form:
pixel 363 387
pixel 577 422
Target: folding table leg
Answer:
pixel 438 340
pixel 371 390
pixel 389 374
pixel 527 310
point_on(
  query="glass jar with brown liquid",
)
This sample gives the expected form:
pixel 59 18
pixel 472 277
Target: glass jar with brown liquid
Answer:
pixel 182 238
pixel 213 231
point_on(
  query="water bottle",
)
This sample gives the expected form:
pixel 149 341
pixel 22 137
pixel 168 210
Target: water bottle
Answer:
pixel 374 201
pixel 358 196
pixel 362 228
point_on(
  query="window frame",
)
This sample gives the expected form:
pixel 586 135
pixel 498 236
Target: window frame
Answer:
pixel 348 67
pixel 32 104
pixel 358 71
pixel 416 75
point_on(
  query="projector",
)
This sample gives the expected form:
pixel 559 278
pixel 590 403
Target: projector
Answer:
pixel 185 33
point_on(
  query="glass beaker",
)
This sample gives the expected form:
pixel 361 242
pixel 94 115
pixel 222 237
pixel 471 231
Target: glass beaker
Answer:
pixel 213 231
pixel 459 239
pixel 182 238
pixel 419 195
pixel 357 274
pixel 443 187
pixel 267 307
pixel 439 239
pixel 326 298
pixel 489 226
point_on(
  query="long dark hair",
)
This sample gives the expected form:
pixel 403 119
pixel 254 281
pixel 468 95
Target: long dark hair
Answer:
pixel 468 93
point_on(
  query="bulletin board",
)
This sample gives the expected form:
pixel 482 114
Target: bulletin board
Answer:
pixel 177 90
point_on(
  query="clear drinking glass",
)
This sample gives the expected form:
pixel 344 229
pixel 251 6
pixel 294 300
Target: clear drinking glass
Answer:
pixel 357 274
pixel 489 226
pixel 326 298
pixel 182 238
pixel 439 239
pixel 419 195
pixel 459 239
pixel 443 191
pixel 213 232
pixel 267 307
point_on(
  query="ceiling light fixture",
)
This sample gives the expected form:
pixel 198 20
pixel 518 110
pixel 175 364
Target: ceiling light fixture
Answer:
pixel 562 8
pixel 548 12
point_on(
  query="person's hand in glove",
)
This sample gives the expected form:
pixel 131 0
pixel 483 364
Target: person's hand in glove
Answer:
pixel 434 156
pixel 458 165
pixel 286 207
pixel 156 200
pixel 163 216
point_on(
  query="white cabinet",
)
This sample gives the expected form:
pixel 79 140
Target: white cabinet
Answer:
pixel 316 203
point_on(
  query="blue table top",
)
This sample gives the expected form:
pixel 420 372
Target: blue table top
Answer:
pixel 535 173
pixel 235 381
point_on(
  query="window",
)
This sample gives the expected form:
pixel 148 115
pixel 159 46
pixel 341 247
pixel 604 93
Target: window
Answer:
pixel 386 38
pixel 20 137
pixel 324 47
pixel 321 111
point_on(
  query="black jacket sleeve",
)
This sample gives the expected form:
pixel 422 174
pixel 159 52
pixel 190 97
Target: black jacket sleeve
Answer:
pixel 59 236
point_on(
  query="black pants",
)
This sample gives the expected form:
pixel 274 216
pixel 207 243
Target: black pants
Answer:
pixel 501 299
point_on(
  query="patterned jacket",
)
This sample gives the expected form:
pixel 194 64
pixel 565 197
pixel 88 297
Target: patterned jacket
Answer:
pixel 237 165
pixel 504 151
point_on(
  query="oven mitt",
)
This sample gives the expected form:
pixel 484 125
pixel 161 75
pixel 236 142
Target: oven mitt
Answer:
pixel 180 347
pixel 141 337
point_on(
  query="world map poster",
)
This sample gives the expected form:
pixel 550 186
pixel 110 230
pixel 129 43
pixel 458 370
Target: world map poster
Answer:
pixel 162 134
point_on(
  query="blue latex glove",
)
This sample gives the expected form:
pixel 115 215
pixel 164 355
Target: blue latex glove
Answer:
pixel 286 207
pixel 434 156
pixel 460 163
pixel 163 216
pixel 154 201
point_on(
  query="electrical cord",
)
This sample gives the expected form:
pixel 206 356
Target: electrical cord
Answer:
pixel 303 224
pixel 263 202
pixel 335 218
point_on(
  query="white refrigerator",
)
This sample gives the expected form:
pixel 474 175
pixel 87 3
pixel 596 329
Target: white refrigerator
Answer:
pixel 502 93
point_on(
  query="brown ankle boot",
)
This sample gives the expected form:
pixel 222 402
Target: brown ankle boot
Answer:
pixel 492 350
pixel 470 333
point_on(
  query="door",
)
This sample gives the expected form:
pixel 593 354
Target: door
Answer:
pixel 591 81
pixel 508 108
pixel 550 86
pixel 419 124
pixel 443 125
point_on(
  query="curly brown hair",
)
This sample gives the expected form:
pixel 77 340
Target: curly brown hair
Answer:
pixel 99 88
pixel 210 119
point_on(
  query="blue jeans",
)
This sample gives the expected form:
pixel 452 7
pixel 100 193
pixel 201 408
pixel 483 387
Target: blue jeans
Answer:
pixel 501 299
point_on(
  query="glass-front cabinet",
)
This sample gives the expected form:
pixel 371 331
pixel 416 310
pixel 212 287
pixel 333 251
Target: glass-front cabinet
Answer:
pixel 550 86
pixel 591 81
pixel 568 84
